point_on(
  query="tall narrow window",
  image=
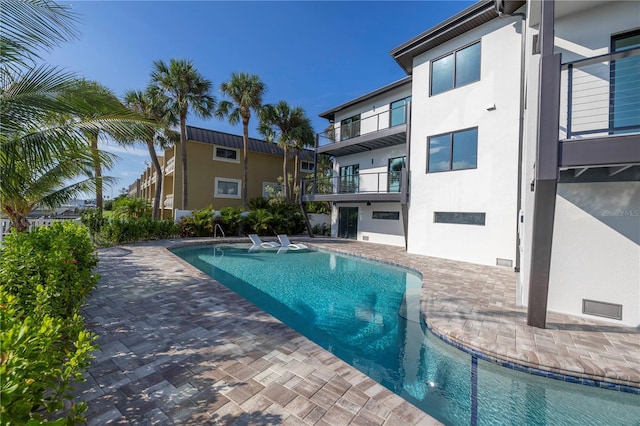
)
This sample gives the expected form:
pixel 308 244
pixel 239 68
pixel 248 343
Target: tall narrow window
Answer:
pixel 625 85
pixel 456 69
pixel 349 178
pixel 395 173
pixel 453 151
pixel 398 114
pixel 350 127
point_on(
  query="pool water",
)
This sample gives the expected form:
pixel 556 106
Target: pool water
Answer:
pixel 367 313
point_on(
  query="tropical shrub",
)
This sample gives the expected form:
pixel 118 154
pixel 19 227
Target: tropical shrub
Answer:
pixel 131 208
pixel 230 220
pixel 199 224
pixel 116 232
pixel 259 221
pixel 45 276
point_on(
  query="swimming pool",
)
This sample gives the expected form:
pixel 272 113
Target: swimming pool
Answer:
pixel 367 314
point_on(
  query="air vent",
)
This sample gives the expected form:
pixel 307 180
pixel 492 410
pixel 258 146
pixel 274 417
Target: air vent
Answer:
pixel 365 238
pixel 602 309
pixel 504 262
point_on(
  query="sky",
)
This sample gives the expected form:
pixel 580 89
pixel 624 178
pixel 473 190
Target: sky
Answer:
pixel 312 54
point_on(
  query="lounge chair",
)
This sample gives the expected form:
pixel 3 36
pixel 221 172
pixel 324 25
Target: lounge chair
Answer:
pixel 258 242
pixel 284 240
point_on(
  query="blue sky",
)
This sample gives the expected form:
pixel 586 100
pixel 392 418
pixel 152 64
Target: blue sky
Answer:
pixel 316 55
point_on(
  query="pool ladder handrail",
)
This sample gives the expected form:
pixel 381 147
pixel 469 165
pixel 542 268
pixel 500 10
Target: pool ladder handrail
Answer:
pixel 215 231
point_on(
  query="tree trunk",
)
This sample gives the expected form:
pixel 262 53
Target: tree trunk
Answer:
pixel 97 171
pixel 295 171
pixel 245 183
pixel 183 150
pixel 156 166
pixel 18 219
pixel 285 172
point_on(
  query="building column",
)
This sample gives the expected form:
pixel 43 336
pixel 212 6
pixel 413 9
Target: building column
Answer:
pixel 546 168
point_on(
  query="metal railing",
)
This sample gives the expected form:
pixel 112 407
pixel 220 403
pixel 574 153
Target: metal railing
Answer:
pixel 361 183
pixel 601 95
pixel 365 125
pixel 170 166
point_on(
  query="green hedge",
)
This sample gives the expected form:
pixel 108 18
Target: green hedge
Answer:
pixel 45 276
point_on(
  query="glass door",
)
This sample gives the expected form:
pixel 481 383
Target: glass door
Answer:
pixel 625 85
pixel 348 222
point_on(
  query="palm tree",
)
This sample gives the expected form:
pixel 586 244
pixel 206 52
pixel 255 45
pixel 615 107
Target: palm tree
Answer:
pixel 183 88
pixel 46 114
pixel 24 188
pixel 147 104
pixel 285 125
pixel 246 92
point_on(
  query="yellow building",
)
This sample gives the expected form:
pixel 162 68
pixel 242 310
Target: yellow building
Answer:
pixel 215 171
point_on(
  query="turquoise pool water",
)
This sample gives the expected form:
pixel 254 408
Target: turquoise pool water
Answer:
pixel 367 314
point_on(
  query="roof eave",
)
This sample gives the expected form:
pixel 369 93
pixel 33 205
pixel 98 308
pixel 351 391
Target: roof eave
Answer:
pixel 330 114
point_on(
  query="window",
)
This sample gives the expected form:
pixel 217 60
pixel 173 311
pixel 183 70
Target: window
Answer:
pixel 271 189
pixel 624 114
pixel 306 166
pixel 459 218
pixel 386 215
pixel 456 69
pixel 225 154
pixel 349 179
pixel 350 127
pixel 395 173
pixel 228 188
pixel 398 113
pixel 453 151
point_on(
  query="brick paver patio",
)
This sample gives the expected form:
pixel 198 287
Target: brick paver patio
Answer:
pixel 176 347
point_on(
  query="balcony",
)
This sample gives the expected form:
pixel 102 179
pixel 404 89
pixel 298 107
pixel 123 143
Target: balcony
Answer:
pixel 600 111
pixel 168 202
pixel 362 187
pixel 170 166
pixel 381 130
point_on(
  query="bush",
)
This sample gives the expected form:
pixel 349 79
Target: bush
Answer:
pixel 45 276
pixel 116 232
pixel 230 220
pixel 199 224
pixel 131 208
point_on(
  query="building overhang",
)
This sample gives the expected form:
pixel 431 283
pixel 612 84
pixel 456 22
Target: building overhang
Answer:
pixel 384 138
pixel 600 152
pixel 391 197
pixel 470 18
pixel 330 114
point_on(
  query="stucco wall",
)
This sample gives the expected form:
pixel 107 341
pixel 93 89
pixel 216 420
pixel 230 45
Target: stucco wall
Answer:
pixel 596 251
pixel 491 187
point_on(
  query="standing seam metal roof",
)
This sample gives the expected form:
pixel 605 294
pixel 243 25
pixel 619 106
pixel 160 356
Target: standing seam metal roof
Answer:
pixel 229 140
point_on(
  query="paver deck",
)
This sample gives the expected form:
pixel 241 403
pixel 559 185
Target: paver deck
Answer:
pixel 176 347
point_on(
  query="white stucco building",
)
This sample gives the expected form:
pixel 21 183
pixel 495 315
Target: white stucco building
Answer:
pixel 521 149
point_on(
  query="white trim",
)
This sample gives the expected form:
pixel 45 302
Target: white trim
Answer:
pixel 227 160
pixel 217 194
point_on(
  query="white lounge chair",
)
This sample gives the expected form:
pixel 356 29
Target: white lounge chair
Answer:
pixel 258 242
pixel 284 240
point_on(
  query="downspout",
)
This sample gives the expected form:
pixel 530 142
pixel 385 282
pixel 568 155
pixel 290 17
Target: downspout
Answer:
pixel 523 44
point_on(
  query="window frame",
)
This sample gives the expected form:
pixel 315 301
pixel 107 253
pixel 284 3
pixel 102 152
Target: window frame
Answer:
pixel 225 159
pixel 404 101
pixel 302 169
pixel 451 145
pixel 217 194
pixel 455 62
pixel 348 122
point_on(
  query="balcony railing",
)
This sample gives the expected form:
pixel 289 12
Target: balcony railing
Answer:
pixel 170 166
pixel 365 125
pixel 362 183
pixel 168 202
pixel 601 96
